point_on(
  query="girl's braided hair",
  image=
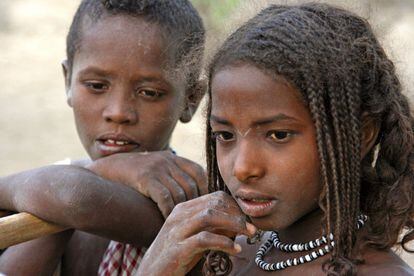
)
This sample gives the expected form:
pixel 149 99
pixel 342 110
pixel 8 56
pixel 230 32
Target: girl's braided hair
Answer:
pixel 335 61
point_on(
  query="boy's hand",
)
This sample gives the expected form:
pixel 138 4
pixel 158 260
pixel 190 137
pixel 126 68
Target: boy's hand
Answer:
pixel 162 176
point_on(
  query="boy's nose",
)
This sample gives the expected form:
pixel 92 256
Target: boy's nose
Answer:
pixel 120 110
pixel 248 163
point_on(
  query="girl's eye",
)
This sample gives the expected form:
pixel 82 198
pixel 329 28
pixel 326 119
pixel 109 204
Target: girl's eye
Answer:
pixel 223 136
pixel 149 93
pixel 97 86
pixel 280 136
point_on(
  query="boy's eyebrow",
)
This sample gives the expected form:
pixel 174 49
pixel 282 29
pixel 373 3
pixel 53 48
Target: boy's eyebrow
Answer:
pixel 102 72
pixel 263 121
pixel 94 70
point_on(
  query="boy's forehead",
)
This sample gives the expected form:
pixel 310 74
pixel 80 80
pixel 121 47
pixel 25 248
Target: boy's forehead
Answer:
pixel 127 39
pixel 126 29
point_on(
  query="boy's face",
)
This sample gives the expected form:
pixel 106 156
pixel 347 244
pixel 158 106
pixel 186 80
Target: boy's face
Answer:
pixel 122 98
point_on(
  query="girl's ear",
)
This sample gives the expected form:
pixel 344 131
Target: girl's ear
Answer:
pixel 192 101
pixel 370 130
pixel 66 75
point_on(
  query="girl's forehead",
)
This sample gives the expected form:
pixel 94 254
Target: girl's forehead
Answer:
pixel 254 95
pixel 248 84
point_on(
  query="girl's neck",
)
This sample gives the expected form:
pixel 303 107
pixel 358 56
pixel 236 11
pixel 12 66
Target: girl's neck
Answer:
pixel 303 230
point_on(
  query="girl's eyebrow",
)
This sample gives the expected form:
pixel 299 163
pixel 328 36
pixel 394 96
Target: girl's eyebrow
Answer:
pixel 264 121
pixel 219 120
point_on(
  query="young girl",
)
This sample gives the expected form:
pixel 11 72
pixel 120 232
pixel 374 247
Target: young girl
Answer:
pixel 131 73
pixel 309 133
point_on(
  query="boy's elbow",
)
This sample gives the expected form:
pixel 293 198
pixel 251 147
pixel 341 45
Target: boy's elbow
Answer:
pixel 63 197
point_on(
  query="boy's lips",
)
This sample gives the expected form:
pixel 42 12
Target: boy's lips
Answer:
pixel 255 205
pixel 112 143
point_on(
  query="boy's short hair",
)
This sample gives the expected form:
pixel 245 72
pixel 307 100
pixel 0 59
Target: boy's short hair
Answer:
pixel 178 19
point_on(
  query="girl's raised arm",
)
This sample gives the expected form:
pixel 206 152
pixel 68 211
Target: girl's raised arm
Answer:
pixel 194 227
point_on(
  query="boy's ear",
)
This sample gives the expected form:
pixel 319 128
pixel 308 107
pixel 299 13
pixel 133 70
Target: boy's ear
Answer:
pixel 370 130
pixel 66 75
pixel 193 99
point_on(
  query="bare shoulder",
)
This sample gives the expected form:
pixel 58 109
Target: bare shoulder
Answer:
pixel 384 263
pixel 386 270
pixel 81 162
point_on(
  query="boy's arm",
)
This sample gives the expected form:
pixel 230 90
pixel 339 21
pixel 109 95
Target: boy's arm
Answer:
pixel 36 257
pixel 77 198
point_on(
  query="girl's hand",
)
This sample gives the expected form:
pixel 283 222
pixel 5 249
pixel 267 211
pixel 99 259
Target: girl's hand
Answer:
pixel 162 176
pixel 205 223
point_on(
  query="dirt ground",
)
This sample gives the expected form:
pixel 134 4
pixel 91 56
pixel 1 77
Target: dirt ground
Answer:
pixel 36 125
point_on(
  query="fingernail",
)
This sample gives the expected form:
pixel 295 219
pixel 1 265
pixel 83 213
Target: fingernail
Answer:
pixel 237 247
pixel 251 228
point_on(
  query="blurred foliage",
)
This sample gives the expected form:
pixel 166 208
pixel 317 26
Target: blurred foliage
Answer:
pixel 215 12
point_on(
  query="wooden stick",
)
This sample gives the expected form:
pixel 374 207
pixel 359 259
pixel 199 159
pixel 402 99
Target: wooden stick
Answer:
pixel 23 227
pixel 4 213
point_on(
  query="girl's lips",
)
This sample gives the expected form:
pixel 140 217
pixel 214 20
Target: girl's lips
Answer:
pixel 104 148
pixel 256 208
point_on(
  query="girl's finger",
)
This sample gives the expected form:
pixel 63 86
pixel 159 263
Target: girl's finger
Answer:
pixel 218 200
pixel 205 241
pixel 224 202
pixel 217 221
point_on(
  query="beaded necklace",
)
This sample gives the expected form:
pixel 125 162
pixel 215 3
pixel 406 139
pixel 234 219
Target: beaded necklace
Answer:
pixel 321 245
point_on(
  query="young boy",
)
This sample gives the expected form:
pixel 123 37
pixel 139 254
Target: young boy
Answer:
pixel 131 73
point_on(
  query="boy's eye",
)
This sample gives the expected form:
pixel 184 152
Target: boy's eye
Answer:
pixel 150 93
pixel 223 136
pixel 280 136
pixel 96 86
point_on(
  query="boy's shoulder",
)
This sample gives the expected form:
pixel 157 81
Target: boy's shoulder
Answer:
pixel 378 262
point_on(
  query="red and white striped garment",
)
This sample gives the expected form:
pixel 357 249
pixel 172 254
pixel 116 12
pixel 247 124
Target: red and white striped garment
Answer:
pixel 121 259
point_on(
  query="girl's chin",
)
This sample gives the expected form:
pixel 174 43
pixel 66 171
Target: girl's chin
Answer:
pixel 268 223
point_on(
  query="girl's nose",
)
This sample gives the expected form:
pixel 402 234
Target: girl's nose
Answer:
pixel 120 110
pixel 248 162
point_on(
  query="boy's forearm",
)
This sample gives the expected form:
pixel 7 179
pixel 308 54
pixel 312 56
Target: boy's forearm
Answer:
pixel 75 197
pixel 37 257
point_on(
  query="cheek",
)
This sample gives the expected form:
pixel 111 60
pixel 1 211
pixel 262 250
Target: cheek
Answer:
pixel 159 116
pixel 85 114
pixel 157 122
pixel 304 175
pixel 225 165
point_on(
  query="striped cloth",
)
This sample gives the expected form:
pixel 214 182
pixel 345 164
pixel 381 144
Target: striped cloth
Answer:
pixel 121 260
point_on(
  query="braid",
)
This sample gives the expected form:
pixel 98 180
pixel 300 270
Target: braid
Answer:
pixel 333 58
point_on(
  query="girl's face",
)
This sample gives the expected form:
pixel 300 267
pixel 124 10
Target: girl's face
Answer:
pixel 122 98
pixel 266 146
